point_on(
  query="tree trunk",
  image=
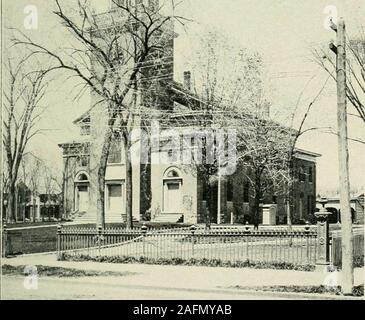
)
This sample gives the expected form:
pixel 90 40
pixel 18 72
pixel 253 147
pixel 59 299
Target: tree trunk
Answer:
pixel 11 214
pixel 289 192
pixel 128 181
pixel 63 214
pixel 289 198
pixel 209 206
pixel 34 209
pixel 103 162
pixel 257 201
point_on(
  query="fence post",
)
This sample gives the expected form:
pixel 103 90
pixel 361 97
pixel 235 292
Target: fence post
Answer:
pixel 100 235
pixel 232 218
pixel 307 237
pixel 144 232
pixel 59 232
pixel 5 242
pixel 322 258
pixel 247 232
pixel 192 230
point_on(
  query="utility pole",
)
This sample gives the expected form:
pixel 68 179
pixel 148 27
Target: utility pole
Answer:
pixel 343 156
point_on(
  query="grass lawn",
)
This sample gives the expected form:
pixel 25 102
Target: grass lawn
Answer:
pixel 358 291
pixel 47 271
pixel 31 224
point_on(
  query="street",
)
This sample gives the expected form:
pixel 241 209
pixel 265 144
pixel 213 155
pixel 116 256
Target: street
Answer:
pixel 113 288
pixel 157 282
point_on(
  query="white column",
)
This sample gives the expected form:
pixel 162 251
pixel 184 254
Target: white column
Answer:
pixel 38 209
pixel 106 200
pixel 181 207
pixel 164 195
pixel 124 198
pixel 219 199
pixel 76 195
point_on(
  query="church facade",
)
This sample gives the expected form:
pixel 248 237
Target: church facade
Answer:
pixel 167 191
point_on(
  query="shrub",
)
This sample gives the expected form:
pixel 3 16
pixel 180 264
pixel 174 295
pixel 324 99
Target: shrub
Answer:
pixel 358 262
pixel 190 262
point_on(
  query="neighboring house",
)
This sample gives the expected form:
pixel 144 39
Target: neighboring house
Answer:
pixel 357 208
pixel 165 192
pixel 44 207
pixel 38 207
pixel 22 194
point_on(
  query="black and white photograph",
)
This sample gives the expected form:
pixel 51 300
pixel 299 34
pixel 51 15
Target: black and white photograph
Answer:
pixel 182 150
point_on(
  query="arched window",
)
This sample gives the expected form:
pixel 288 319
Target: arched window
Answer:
pixel 82 177
pixel 81 199
pixel 172 173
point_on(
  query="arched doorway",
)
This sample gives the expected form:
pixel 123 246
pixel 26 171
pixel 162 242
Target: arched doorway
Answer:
pixel 82 192
pixel 172 191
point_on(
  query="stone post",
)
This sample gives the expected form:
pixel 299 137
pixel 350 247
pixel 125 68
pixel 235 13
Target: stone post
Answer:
pixel 322 258
pixel 144 232
pixel 59 232
pixel 5 242
pixel 192 230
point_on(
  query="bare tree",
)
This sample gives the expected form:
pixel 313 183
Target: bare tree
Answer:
pixel 51 188
pixel 262 148
pixel 226 79
pixel 23 92
pixel 297 134
pixel 112 53
pixel 31 174
pixel 355 88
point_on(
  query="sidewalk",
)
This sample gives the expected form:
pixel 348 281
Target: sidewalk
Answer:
pixel 193 278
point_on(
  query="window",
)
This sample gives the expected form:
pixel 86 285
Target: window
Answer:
pixel 43 198
pixel 310 174
pixel 205 191
pixel 115 153
pixel 246 192
pixel 301 174
pixel 274 199
pixel 83 161
pixel 82 177
pixel 229 191
pixel 115 200
pixel 115 191
pixel 310 204
pixel 85 130
pixel 172 174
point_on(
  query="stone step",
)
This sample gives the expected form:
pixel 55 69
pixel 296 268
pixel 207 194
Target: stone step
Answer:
pixel 174 218
pixel 110 218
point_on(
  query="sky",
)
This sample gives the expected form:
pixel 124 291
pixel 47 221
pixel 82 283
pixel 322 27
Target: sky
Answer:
pixel 283 32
